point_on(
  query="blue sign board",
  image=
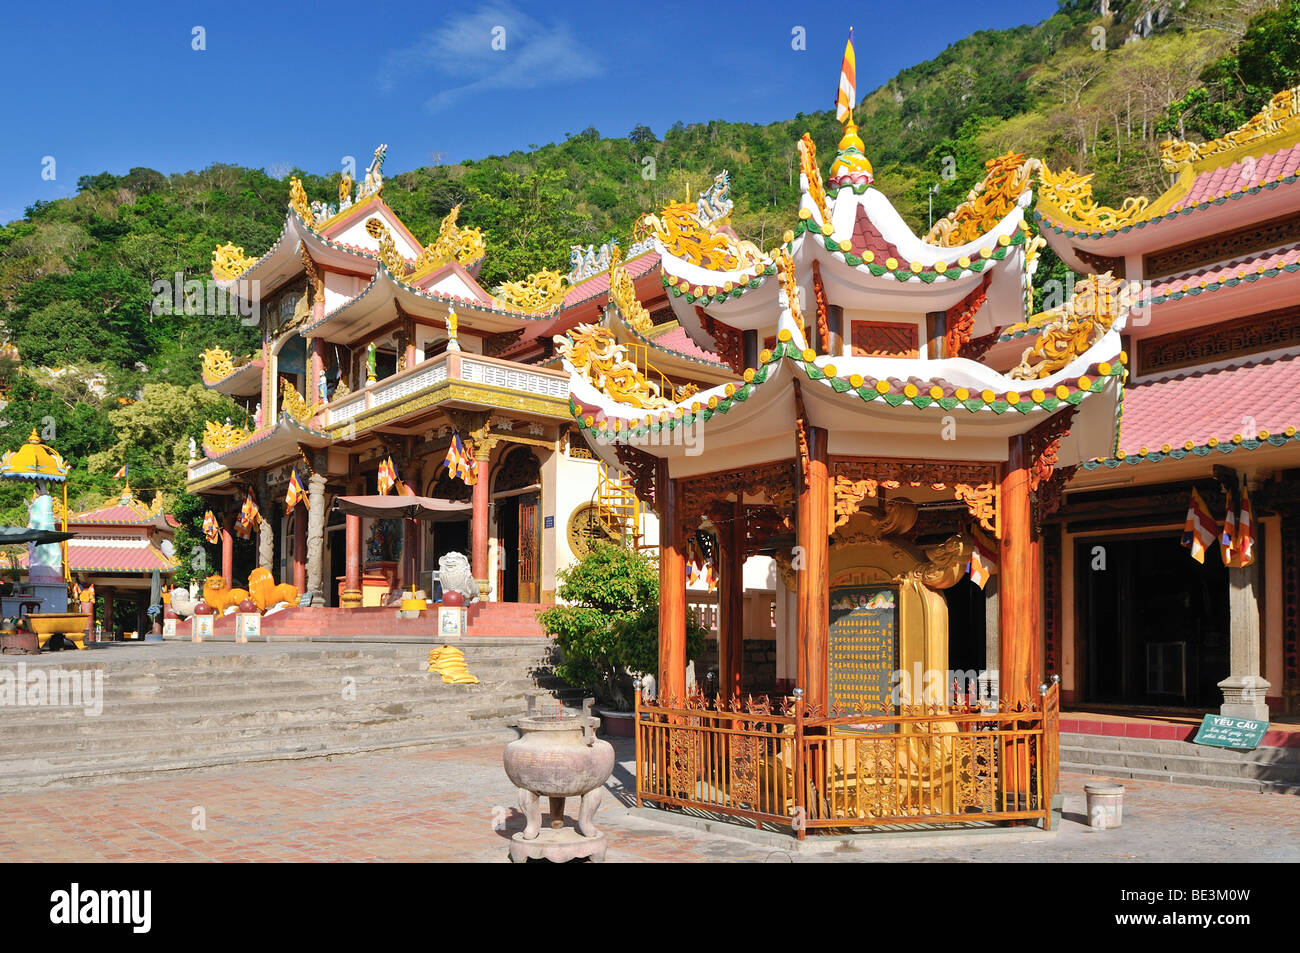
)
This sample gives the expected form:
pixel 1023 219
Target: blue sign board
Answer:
pixel 548 522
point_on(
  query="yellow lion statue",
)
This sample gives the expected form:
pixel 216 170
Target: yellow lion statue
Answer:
pixel 264 591
pixel 219 597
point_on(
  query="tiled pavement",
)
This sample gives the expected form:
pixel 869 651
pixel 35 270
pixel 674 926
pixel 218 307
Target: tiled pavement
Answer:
pixel 416 805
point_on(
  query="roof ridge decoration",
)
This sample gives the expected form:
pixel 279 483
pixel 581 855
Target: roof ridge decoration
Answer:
pixel 218 438
pixel 1071 194
pixel 812 175
pixel 298 202
pixel 397 266
pixel 591 261
pixel 371 187
pixel 1069 330
pixel 540 292
pixel 293 403
pixel 229 262
pixel 217 364
pixel 598 358
pixel 851 168
pixel 463 245
pixel 684 234
pixel 622 294
pixel 1280 116
pixel 1007 178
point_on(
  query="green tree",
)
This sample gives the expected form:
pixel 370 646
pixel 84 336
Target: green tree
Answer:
pixel 608 627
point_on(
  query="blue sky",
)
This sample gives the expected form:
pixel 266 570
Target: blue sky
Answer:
pixel 102 87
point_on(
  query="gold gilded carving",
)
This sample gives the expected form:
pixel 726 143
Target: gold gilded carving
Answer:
pixel 292 403
pixel 314 276
pixel 298 201
pixel 345 188
pixel 388 252
pixel 982 502
pixel 541 291
pixel 622 292
pixel 785 274
pixel 229 262
pixel 974 484
pixel 464 245
pixel 1066 332
pixel 217 364
pixel 1281 115
pixel 1071 193
pixel 1007 179
pixel 774 481
pixel 603 362
pixel 944 564
pixel 683 235
pixel 220 437
pixel 808 166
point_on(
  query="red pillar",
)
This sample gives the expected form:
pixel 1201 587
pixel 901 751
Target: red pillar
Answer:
pixel 731 603
pixel 479 524
pixel 813 582
pixel 227 552
pixel 672 589
pixel 1018 590
pixel 300 548
pixel 352 562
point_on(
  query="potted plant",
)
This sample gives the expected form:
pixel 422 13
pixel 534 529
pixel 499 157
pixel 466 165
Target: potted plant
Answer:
pixel 607 629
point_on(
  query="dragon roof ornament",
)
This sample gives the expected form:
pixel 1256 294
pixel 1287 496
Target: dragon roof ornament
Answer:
pixel 622 292
pixel 1068 331
pixel 1071 193
pixel 1280 116
pixel 388 253
pixel 1008 177
pixel 217 364
pixel 813 175
pixel 298 201
pixel 229 262
pixel 594 354
pixel 539 292
pixel 463 245
pixel 679 228
pixel 220 437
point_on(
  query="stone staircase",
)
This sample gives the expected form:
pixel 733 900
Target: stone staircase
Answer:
pixel 182 706
pixel 485 619
pixel 1273 770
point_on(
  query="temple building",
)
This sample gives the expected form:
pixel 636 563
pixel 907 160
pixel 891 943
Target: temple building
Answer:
pixel 378 348
pixel 1131 619
pixel 873 448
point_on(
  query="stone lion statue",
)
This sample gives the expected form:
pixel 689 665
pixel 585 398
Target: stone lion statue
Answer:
pixel 454 571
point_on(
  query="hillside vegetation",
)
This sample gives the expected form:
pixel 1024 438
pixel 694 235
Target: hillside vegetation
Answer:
pixel 76 275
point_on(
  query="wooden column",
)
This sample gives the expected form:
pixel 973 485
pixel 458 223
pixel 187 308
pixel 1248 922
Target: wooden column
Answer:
pixel 300 548
pixel 227 552
pixel 835 324
pixel 352 562
pixel 672 589
pixel 479 524
pixel 1018 588
pixel 813 580
pixel 731 603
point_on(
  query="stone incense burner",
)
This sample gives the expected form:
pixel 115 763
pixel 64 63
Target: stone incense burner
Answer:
pixel 558 757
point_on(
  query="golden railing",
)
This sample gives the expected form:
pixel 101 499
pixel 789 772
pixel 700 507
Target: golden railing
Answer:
pixel 639 355
pixel 787 766
pixel 617 506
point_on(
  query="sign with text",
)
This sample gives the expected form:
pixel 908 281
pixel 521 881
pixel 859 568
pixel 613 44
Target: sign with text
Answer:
pixel 863 645
pixel 1222 731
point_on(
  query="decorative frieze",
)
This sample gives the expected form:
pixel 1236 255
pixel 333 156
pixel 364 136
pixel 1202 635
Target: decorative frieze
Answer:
pixel 1217 342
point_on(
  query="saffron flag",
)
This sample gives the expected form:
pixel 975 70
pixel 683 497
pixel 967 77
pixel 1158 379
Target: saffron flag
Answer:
pixel 249 517
pixel 1199 531
pixel 1228 539
pixel 387 476
pixel 294 494
pixel 459 463
pixel 983 560
pixel 1245 547
pixel 211 532
pixel 847 95
pixel 123 472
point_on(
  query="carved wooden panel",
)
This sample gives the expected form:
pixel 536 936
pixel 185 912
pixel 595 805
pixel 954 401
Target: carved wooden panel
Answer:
pixel 1291 610
pixel 1052 605
pixel 884 339
pixel 1234 244
pixel 1249 335
pixel 1100 264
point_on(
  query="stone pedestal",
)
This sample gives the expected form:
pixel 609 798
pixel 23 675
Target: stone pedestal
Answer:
pixel 558 847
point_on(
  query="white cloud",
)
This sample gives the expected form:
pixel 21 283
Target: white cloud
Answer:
pixel 461 54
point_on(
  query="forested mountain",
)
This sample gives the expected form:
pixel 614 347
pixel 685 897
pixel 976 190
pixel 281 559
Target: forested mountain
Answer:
pixel 1096 86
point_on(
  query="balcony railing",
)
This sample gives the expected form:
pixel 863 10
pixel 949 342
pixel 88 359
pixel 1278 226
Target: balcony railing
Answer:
pixel 788 767
pixel 446 366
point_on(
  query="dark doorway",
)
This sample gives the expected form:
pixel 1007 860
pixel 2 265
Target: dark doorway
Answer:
pixel 507 513
pixel 966 646
pixel 338 550
pixel 1153 622
pixel 450 537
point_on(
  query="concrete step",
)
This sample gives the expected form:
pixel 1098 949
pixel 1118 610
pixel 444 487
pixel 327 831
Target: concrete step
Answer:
pixel 1274 770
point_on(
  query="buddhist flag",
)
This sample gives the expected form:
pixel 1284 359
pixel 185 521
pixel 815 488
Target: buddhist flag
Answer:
pixel 847 96
pixel 387 476
pixel 211 532
pixel 294 494
pixel 1245 530
pixel 123 472
pixel 983 561
pixel 1228 539
pixel 249 517
pixel 459 463
pixel 1199 531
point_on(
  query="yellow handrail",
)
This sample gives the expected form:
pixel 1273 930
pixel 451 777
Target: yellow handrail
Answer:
pixel 618 508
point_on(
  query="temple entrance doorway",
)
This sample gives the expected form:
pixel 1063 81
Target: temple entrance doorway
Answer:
pixel 516 498
pixel 966 632
pixel 1153 623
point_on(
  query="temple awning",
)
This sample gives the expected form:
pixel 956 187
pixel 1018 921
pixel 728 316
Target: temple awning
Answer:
pixel 402 507
pixel 1201 414
pixel 268 446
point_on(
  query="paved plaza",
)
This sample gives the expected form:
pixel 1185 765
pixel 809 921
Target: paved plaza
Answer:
pixel 457 805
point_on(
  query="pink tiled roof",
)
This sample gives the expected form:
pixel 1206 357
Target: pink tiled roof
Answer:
pixel 1238 268
pixel 1248 172
pixel 599 284
pixel 113 555
pixel 1205 404
pixel 866 237
pixel 115 514
pixel 678 340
